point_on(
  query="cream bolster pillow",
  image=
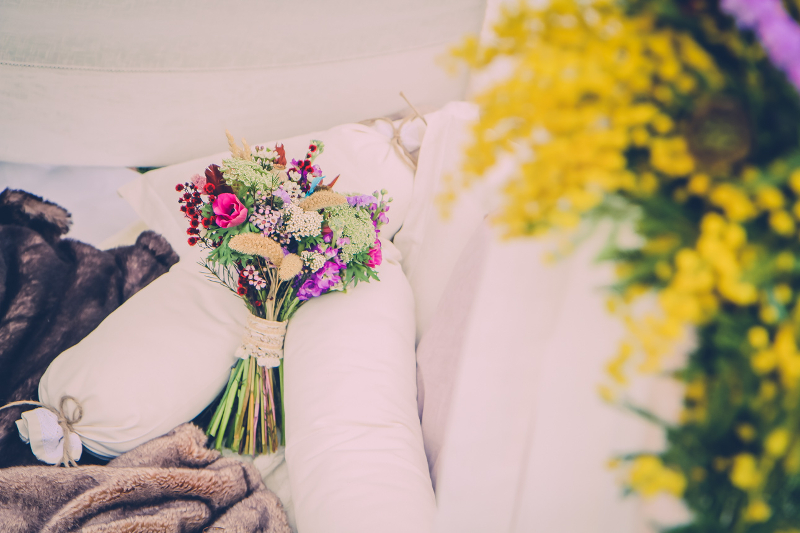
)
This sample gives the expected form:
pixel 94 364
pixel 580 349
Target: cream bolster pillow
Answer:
pixel 354 445
pixel 154 363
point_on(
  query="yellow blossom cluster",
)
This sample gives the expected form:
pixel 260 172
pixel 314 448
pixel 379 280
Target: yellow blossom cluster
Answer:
pixel 580 97
pixel 648 476
pixel 592 113
pixel 782 354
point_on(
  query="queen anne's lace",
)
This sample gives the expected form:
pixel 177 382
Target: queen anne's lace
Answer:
pixel 314 260
pixel 302 223
pixel 263 339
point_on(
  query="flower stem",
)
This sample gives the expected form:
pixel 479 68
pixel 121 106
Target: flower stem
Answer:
pixel 217 418
pixel 228 405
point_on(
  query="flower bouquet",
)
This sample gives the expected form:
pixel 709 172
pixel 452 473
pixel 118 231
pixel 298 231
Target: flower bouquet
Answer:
pixel 277 236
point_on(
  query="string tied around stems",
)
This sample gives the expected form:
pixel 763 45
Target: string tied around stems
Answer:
pixel 263 339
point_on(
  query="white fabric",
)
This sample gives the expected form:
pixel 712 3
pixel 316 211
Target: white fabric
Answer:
pixel 152 83
pixel 41 429
pixel 538 407
pixel 439 351
pixel 354 446
pixel 429 243
pixel 88 193
pixel 154 363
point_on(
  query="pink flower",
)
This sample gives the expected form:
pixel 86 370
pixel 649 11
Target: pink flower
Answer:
pixel 375 255
pixel 199 181
pixel 229 210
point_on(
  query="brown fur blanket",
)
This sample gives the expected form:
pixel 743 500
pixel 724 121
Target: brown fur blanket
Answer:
pixel 172 484
pixel 54 292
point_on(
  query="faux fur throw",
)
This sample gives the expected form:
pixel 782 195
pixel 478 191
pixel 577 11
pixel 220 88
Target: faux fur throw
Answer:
pixel 172 484
pixel 54 292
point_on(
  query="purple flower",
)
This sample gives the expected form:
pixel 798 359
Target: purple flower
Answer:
pixel 309 289
pixel 341 241
pixel 361 200
pixel 777 31
pixel 327 251
pixel 283 195
pixel 322 281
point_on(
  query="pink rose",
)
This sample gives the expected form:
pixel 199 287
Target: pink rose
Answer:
pixel 375 255
pixel 229 210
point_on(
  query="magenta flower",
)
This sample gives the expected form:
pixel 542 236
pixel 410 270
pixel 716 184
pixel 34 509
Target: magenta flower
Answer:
pixel 375 255
pixel 229 210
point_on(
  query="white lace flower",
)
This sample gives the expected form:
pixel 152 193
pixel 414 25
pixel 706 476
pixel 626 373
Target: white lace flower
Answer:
pixel 314 260
pixel 302 223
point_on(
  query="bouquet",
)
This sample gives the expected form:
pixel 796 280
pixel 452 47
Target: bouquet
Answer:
pixel 277 236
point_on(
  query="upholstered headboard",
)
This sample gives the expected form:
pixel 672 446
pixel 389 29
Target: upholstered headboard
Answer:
pixel 153 82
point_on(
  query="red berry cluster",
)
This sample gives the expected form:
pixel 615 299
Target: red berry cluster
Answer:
pixel 241 290
pixel 191 205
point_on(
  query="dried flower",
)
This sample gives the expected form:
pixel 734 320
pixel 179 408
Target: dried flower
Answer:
pixel 257 244
pixel 290 267
pixel 236 152
pixel 321 200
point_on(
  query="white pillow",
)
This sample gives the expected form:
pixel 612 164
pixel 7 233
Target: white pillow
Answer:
pixel 440 349
pixel 354 445
pixel 429 243
pixel 152 364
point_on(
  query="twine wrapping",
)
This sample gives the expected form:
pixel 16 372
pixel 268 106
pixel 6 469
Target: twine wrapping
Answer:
pixel 396 141
pixel 65 421
pixel 263 339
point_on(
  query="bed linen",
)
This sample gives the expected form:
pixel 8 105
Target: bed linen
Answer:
pixel 89 194
pixel 150 83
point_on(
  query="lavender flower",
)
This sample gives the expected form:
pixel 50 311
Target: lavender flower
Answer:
pixel 283 195
pixel 361 200
pixel 775 28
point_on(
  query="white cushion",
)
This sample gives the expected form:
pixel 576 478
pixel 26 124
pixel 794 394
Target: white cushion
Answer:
pixel 152 364
pixel 431 244
pixel 153 83
pixel 440 349
pixel 354 445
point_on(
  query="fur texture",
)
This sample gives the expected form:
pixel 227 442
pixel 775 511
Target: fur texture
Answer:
pixel 54 292
pixel 172 484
